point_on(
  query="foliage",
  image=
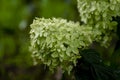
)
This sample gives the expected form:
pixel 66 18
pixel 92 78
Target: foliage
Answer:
pixel 91 67
pixel 9 10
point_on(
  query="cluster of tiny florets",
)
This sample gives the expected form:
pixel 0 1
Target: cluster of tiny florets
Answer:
pixel 57 42
pixel 98 14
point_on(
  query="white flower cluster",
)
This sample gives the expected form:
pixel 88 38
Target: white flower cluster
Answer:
pixel 98 14
pixel 56 42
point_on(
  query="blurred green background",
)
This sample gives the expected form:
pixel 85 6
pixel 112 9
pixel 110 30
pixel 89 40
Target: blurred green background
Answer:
pixel 15 18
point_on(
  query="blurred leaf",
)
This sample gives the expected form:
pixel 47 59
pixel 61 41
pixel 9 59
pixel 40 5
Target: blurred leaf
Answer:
pixel 11 13
pixel 91 56
pixel 91 67
pixel 59 8
pixel 115 60
pixel 118 26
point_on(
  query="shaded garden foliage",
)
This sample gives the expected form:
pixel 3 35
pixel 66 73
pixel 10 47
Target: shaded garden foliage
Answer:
pixel 91 67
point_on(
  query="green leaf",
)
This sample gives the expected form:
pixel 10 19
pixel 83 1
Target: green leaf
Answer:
pixel 91 56
pixel 90 67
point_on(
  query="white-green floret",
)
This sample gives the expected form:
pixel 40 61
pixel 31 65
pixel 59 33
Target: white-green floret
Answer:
pixel 99 15
pixel 56 42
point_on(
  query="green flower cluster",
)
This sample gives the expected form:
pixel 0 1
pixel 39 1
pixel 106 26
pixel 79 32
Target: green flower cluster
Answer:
pixel 98 14
pixel 56 42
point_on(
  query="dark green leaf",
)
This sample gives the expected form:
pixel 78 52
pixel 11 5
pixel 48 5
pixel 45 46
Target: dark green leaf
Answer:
pixel 91 67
